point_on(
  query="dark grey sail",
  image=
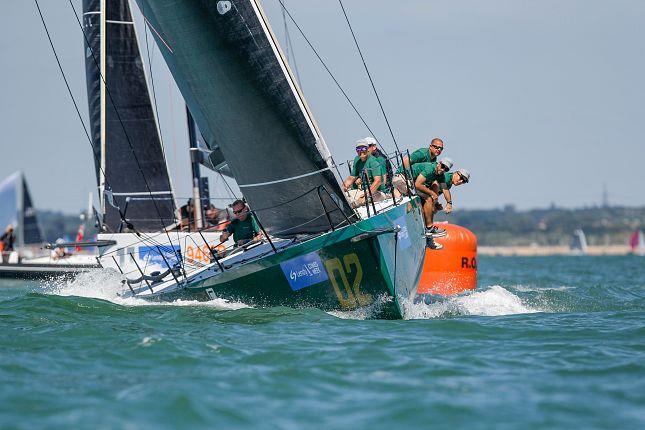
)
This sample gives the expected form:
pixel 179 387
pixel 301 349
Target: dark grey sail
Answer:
pixel 131 166
pixel 30 229
pixel 233 76
pixel 16 209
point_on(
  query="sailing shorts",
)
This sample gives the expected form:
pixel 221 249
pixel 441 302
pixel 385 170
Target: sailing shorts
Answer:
pixel 356 198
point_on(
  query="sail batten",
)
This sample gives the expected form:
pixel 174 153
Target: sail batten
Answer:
pixel 239 88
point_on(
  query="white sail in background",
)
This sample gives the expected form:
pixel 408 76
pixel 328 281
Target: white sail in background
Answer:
pixel 578 243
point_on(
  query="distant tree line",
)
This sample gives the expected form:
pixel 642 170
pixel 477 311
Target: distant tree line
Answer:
pixel 552 226
pixel 493 227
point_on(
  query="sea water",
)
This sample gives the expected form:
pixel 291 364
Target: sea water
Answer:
pixel 553 343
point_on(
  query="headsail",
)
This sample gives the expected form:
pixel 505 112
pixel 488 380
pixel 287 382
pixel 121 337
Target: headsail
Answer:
pixel 122 122
pixel 16 208
pixel 238 86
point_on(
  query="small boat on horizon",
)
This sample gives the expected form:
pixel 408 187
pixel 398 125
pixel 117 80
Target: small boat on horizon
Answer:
pixel 637 243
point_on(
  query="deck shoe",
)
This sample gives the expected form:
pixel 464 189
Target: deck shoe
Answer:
pixel 435 231
pixel 430 243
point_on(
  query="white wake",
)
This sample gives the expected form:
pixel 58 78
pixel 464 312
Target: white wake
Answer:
pixel 490 301
pixel 106 285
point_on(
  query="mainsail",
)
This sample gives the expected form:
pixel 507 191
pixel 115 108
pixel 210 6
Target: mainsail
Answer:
pixel 16 208
pixel 238 86
pixel 130 163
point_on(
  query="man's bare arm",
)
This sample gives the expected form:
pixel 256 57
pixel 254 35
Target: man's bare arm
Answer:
pixel 420 185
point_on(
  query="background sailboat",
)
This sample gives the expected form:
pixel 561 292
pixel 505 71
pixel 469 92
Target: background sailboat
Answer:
pixel 578 243
pixel 129 159
pixel 28 259
pixel 16 208
pixel 637 243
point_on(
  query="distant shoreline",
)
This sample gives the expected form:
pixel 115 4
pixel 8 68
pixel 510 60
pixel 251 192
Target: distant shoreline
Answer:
pixel 534 251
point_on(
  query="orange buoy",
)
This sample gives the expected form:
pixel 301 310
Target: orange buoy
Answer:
pixel 453 269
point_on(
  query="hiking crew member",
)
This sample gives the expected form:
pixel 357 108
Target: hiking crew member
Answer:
pixel 369 167
pixel 426 174
pixel 382 158
pixel 461 176
pixel 424 155
pixel 243 227
pixel 421 155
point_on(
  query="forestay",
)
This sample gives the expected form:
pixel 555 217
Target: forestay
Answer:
pixel 233 76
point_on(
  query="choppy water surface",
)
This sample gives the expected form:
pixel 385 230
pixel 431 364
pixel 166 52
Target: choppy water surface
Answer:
pixel 543 343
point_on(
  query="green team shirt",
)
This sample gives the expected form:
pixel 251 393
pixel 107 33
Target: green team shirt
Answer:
pixel 428 170
pixel 373 166
pixel 243 230
pixel 421 155
pixel 446 179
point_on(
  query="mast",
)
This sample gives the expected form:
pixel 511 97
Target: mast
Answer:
pixel 196 176
pixel 103 110
pixel 21 212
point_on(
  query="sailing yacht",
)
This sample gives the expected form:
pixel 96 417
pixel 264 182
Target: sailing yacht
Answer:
pixel 578 243
pixel 27 259
pixel 317 251
pixel 637 243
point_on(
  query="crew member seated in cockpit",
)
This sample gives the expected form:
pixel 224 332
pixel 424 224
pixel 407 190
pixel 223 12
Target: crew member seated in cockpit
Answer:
pixel 243 226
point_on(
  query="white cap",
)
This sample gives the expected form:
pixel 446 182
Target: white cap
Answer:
pixel 361 142
pixel 369 140
pixel 446 162
pixel 465 174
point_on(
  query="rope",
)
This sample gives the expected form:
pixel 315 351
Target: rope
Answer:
pixel 277 181
pixel 369 75
pixel 329 72
pixel 71 94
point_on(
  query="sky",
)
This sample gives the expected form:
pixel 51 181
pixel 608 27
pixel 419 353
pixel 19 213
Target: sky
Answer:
pixel 543 101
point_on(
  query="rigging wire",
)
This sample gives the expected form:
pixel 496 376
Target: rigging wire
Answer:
pixel 369 75
pixel 291 55
pixel 329 72
pixel 71 94
pixel 109 93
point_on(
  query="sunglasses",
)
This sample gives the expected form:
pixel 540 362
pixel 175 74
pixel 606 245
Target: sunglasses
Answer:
pixel 438 148
pixel 361 149
pixel 446 168
pixel 239 211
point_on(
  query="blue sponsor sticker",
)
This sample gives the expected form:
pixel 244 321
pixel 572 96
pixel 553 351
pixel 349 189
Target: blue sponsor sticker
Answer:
pixel 151 255
pixel 403 236
pixel 304 271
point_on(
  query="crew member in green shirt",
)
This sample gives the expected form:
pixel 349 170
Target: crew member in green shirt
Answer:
pixel 426 175
pixel 364 165
pixel 461 176
pixel 244 228
pixel 421 155
pixel 424 155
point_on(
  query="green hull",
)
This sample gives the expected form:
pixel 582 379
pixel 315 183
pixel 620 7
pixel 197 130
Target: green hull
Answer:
pixel 367 264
